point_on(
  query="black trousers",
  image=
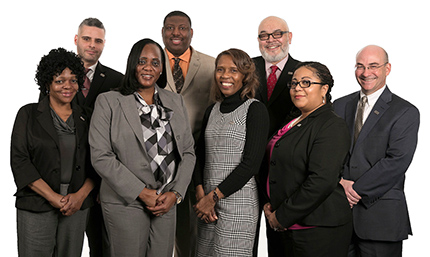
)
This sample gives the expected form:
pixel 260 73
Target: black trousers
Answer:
pixel 313 242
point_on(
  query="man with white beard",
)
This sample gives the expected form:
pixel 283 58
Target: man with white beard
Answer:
pixel 275 68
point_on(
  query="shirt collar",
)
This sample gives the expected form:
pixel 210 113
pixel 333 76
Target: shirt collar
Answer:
pixel 372 98
pixel 186 56
pixel 280 65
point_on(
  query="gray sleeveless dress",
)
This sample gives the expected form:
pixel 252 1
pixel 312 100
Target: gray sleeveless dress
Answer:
pixel 234 232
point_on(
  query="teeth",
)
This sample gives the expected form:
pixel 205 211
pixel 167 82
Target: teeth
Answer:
pixel 227 84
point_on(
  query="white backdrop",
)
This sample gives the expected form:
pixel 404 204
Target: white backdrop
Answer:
pixel 330 32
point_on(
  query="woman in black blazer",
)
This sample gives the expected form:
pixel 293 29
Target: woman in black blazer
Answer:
pixel 306 206
pixel 50 162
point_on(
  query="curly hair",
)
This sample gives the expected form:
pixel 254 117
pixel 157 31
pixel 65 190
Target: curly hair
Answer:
pixel 246 66
pixel 129 84
pixel 54 64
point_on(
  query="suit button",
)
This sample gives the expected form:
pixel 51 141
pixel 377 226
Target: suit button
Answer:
pixel 272 162
pixel 277 144
pixel 78 168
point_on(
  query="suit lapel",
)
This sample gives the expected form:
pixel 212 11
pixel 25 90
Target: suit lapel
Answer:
pixel 45 119
pixel 350 109
pixel 129 109
pixel 98 80
pixel 193 67
pixel 261 72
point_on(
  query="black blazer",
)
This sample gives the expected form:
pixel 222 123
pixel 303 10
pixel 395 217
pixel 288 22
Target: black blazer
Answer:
pixel 280 104
pixel 305 171
pixel 35 154
pixel 104 80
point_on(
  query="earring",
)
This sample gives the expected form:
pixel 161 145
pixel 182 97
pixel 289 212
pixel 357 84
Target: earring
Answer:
pixel 323 100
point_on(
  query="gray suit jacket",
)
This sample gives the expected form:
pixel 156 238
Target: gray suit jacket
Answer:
pixel 118 152
pixel 378 162
pixel 196 88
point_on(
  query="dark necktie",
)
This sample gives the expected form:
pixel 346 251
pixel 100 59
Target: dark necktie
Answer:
pixel 178 76
pixel 359 117
pixel 87 84
pixel 271 81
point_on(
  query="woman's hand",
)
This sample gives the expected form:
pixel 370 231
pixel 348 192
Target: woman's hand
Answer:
pixel 163 204
pixel 72 203
pixel 271 217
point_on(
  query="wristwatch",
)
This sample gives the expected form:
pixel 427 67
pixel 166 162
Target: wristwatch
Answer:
pixel 178 197
pixel 215 197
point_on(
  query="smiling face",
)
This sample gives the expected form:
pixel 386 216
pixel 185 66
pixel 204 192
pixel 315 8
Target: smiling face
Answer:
pixel 274 50
pixel 149 67
pixel 63 88
pixel 90 42
pixel 227 76
pixel 177 34
pixel 307 99
pixel 372 80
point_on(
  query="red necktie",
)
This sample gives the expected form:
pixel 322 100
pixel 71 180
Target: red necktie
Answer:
pixel 271 81
pixel 87 84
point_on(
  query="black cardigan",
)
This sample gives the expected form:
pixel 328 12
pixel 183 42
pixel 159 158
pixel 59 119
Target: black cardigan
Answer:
pixel 35 154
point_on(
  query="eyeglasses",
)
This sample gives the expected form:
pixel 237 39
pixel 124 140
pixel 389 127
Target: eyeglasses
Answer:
pixel 275 35
pixel 372 67
pixel 302 84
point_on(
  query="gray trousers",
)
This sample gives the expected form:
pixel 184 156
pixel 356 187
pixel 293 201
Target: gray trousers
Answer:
pixel 134 231
pixel 47 234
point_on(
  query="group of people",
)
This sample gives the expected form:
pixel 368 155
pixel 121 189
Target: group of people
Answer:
pixel 185 153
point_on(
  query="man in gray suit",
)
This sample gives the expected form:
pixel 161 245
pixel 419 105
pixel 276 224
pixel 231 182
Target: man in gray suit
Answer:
pixel 384 129
pixel 189 73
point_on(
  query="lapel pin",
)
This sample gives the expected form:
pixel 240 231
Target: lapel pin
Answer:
pixel 82 118
pixel 376 112
pixel 102 75
pixel 290 73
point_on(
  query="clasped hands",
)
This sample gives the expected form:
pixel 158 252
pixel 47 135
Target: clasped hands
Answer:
pixel 205 206
pixel 157 204
pixel 69 204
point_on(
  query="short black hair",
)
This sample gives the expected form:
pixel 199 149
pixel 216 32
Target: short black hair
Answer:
pixel 129 84
pixel 177 13
pixel 54 63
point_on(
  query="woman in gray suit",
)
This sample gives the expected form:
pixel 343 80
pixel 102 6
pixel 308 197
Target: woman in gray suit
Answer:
pixel 142 147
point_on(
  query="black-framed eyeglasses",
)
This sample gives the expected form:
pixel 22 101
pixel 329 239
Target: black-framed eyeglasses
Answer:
pixel 372 67
pixel 277 34
pixel 303 84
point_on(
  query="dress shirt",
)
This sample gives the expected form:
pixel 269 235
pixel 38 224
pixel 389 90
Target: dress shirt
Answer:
pixel 371 100
pixel 184 63
pixel 280 65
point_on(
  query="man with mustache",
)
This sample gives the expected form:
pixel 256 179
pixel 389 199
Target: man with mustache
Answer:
pixel 90 42
pixel 189 73
pixel 384 133
pixel 275 68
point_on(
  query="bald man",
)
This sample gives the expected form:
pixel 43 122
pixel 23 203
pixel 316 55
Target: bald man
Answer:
pixel 384 132
pixel 275 68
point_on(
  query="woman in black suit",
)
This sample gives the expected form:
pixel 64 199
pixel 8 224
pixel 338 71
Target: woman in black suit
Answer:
pixel 306 204
pixel 50 162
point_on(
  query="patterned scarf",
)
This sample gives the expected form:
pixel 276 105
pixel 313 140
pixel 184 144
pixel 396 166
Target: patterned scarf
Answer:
pixel 158 138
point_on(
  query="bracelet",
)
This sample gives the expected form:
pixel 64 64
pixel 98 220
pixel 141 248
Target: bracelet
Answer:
pixel 215 196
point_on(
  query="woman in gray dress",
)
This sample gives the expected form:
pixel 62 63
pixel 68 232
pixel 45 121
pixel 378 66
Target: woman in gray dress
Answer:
pixel 229 153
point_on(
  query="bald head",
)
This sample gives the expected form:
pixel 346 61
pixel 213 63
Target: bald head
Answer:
pixel 273 49
pixel 274 22
pixel 374 50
